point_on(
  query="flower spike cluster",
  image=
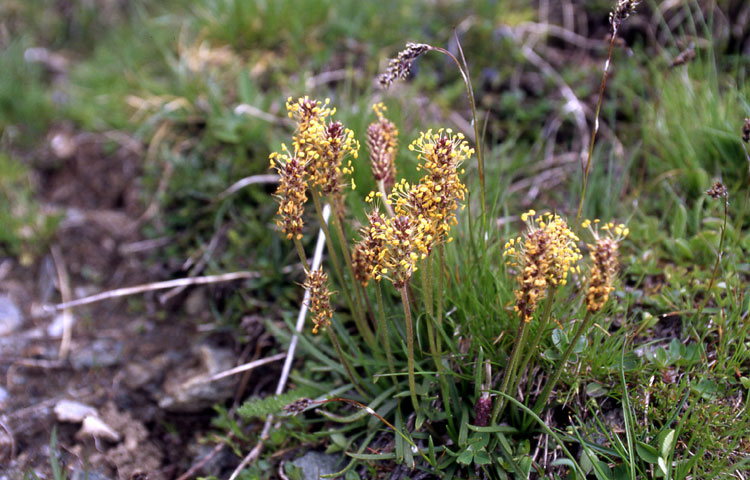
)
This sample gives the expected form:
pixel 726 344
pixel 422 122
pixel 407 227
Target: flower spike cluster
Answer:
pixel 320 304
pixel 404 245
pixel 382 140
pixel 545 257
pixel 321 157
pixel 368 252
pixel 604 254
pixel 437 195
pixel 326 146
pixel 291 192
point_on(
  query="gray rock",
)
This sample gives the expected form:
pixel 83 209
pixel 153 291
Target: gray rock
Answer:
pixel 72 411
pixel 78 474
pixel 315 464
pixel 11 318
pixel 104 352
pixel 191 391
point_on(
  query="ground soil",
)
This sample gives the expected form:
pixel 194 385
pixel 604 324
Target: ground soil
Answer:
pixel 126 354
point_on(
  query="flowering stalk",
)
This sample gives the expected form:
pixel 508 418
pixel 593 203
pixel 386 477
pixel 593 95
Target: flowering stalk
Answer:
pixel 363 328
pixel 582 327
pixel 531 349
pixel 409 347
pixel 604 254
pixel 718 191
pixel 622 10
pixel 383 329
pixel 400 68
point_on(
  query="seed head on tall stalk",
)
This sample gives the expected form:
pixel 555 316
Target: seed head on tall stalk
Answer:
pixel 400 68
pixel 623 9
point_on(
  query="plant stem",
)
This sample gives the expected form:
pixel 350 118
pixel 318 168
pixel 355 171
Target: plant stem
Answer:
pixel 439 298
pixel 409 347
pixel 718 257
pixel 517 347
pixel 353 377
pixel 612 36
pixel 348 260
pixel 542 400
pixel 464 70
pixel 339 273
pixel 546 315
pixel 301 253
pixel 383 327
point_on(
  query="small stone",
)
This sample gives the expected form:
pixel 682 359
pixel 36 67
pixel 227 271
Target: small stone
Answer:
pixel 103 352
pixel 56 328
pixel 191 391
pixel 87 474
pixel 10 316
pixel 71 411
pixel 315 464
pixel 94 427
pixel 4 397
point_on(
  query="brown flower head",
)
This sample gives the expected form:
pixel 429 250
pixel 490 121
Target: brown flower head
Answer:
pixel 320 303
pixel 718 190
pixel 746 131
pixel 291 192
pixel 400 67
pixel 382 140
pixel 368 251
pixel 604 255
pixel 623 9
pixel 297 407
pixel 532 281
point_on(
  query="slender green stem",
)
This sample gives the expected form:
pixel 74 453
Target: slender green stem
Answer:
pixel 301 253
pixel 383 327
pixel 464 70
pixel 596 124
pixel 409 347
pixel 509 368
pixel 348 260
pixel 439 297
pixel 718 257
pixel 546 316
pixel 353 377
pixel 542 400
pixel 363 329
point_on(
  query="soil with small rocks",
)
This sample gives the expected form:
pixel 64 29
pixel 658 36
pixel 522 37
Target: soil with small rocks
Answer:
pixel 131 398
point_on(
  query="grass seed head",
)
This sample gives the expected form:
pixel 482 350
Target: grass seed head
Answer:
pixel 400 67
pixel 718 190
pixel 623 9
pixel 320 303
